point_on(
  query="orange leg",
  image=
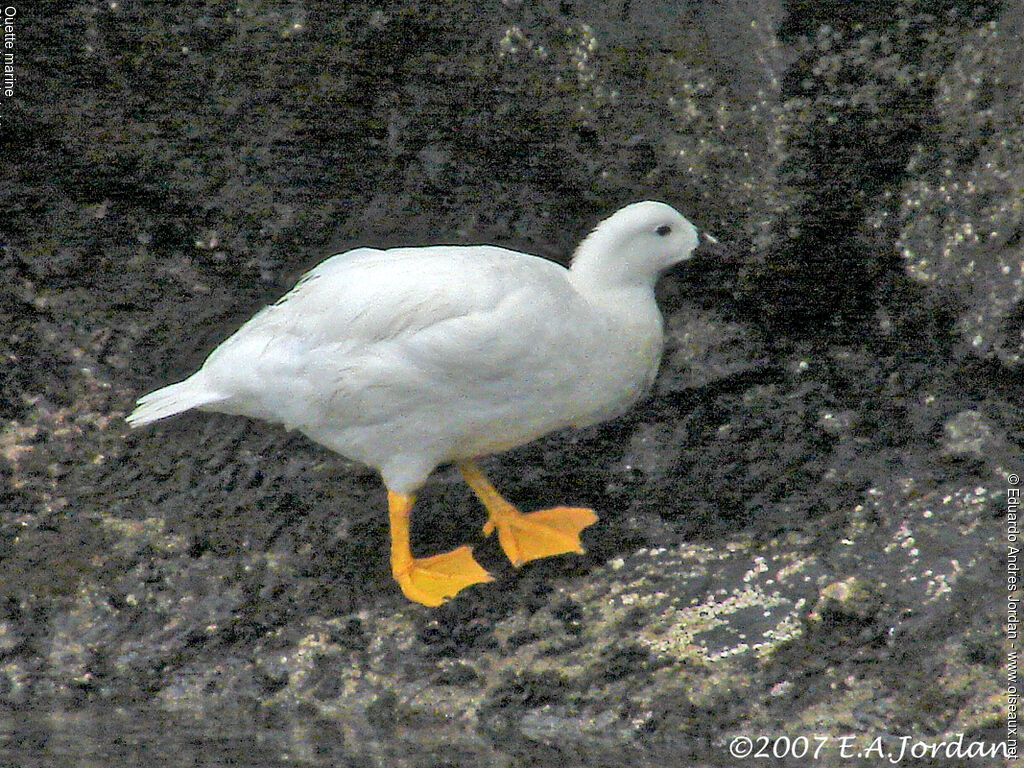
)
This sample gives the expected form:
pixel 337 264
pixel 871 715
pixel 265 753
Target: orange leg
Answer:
pixel 526 537
pixel 427 580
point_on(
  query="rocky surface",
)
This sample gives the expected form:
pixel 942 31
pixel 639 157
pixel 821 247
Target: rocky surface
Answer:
pixel 802 530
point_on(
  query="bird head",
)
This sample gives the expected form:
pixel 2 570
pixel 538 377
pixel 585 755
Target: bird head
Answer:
pixel 634 245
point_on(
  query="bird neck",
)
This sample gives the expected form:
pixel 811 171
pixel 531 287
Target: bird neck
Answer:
pixel 628 306
pixel 593 272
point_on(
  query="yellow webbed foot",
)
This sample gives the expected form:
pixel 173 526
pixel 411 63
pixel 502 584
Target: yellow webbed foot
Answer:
pixel 546 532
pixel 435 579
pixel 531 536
pixel 427 580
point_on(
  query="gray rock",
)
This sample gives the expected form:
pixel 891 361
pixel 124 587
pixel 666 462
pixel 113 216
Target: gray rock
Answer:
pixel 801 531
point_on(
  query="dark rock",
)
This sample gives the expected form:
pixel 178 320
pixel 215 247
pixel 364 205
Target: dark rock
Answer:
pixel 802 530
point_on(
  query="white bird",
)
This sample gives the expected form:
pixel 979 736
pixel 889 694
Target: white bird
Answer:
pixel 408 358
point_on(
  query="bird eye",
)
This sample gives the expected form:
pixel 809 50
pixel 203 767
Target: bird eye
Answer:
pixel 663 230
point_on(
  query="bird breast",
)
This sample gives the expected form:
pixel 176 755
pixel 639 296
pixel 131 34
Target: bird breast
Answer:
pixel 623 363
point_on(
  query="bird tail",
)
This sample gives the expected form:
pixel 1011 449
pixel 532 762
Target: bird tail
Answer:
pixel 172 399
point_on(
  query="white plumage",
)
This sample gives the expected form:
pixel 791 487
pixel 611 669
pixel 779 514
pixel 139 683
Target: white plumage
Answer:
pixel 410 357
